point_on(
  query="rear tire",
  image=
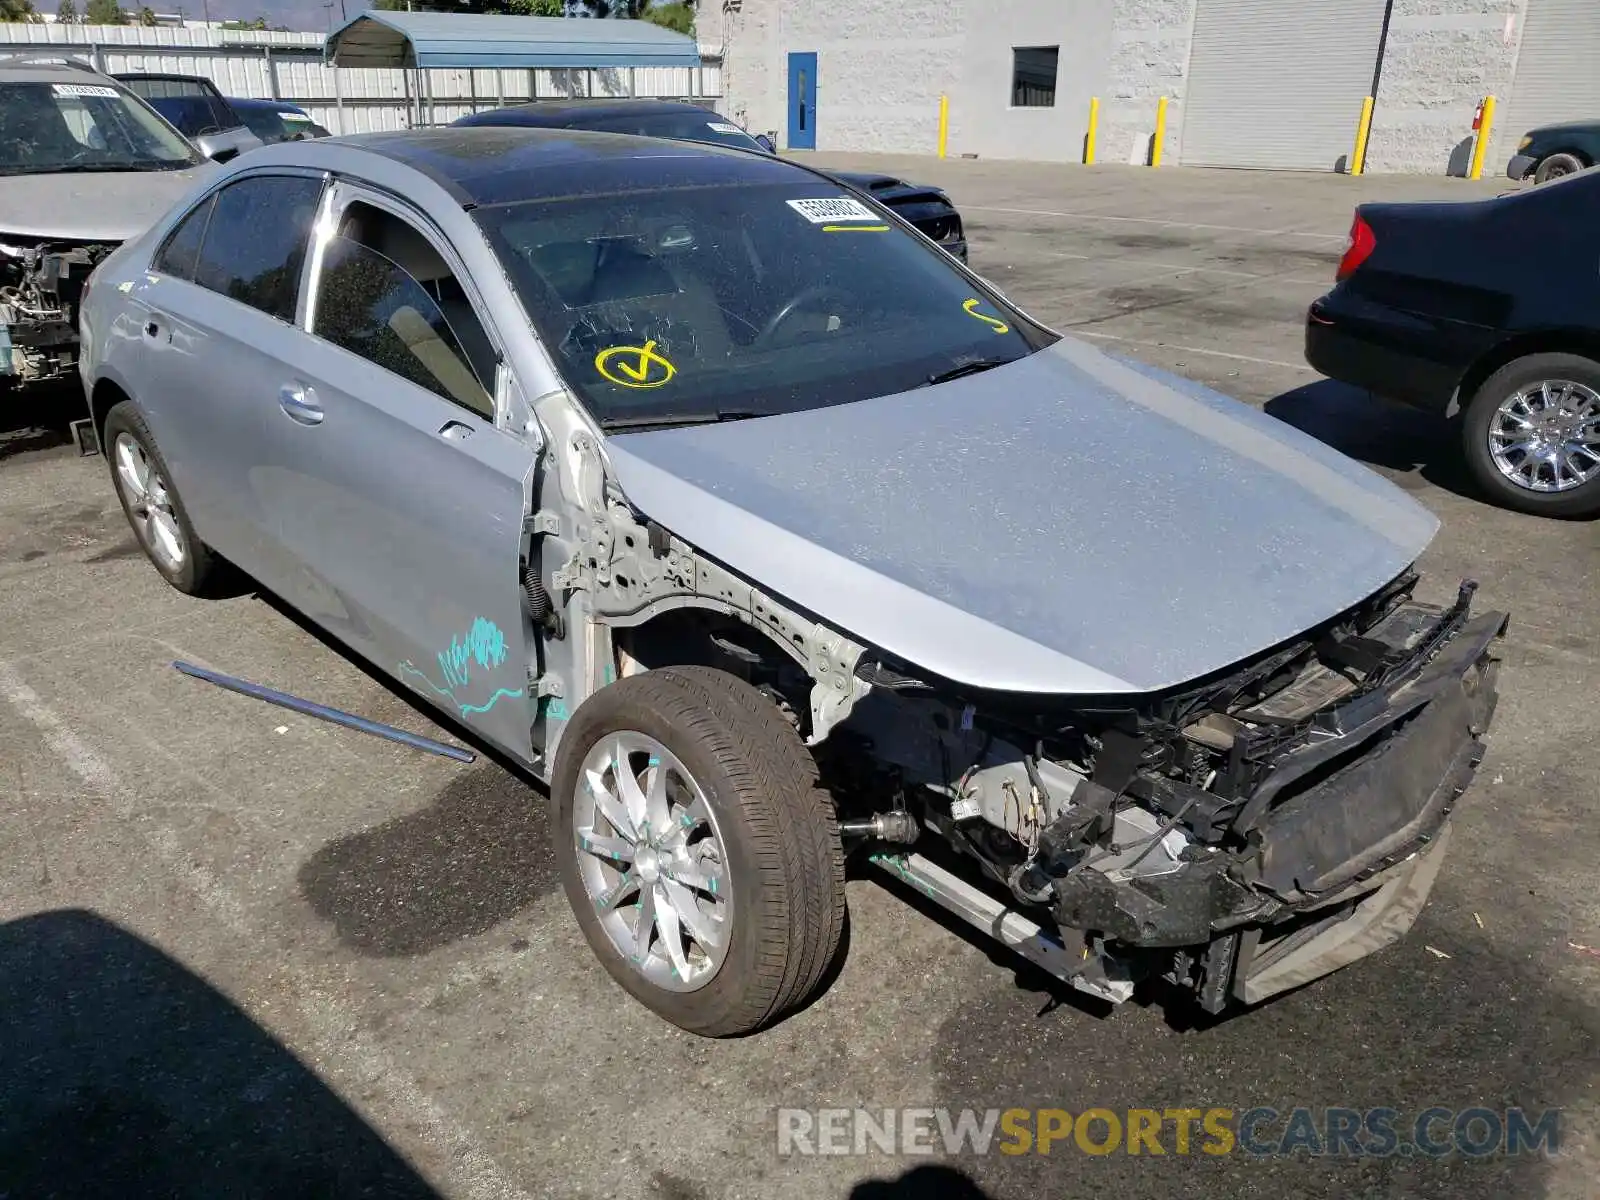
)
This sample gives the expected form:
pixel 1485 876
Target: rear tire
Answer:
pixel 153 508
pixel 1556 166
pixel 1512 479
pixel 733 772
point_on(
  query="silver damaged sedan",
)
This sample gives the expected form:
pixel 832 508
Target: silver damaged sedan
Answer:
pixel 764 533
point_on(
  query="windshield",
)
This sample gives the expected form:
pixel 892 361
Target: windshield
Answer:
pixel 47 127
pixel 688 125
pixel 704 303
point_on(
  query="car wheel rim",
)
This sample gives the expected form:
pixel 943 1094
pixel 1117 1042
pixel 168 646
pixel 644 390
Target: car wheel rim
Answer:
pixel 1546 436
pixel 652 861
pixel 149 503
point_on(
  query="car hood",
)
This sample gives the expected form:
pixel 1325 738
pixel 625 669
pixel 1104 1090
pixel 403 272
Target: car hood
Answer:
pixel 1071 523
pixel 110 206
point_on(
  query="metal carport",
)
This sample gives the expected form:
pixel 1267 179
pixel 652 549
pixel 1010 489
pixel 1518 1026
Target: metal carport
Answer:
pixel 421 41
pixel 468 41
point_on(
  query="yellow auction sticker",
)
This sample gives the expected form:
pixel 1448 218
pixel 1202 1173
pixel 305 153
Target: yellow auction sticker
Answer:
pixel 971 308
pixel 635 366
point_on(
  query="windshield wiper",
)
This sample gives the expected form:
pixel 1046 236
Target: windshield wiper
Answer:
pixel 668 420
pixel 964 369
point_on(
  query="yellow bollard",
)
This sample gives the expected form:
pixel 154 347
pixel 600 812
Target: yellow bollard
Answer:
pixel 1481 145
pixel 944 124
pixel 1161 132
pixel 1094 122
pixel 1358 159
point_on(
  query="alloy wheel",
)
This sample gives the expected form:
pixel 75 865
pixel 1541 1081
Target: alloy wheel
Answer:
pixel 1545 437
pixel 149 503
pixel 652 861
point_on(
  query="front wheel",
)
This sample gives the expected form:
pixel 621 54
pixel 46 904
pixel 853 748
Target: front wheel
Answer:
pixel 1532 435
pixel 697 850
pixel 1556 166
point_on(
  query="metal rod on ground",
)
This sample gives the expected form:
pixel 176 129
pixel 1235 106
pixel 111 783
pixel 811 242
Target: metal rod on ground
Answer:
pixel 323 713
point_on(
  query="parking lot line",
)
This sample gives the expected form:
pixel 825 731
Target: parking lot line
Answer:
pixel 1249 358
pixel 1076 216
pixel 336 1034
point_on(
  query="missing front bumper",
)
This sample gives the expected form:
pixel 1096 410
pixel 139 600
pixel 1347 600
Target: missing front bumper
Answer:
pixel 1342 839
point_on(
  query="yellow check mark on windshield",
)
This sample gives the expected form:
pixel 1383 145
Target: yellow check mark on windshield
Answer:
pixel 635 366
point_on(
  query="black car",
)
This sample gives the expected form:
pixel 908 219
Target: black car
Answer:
pixel 1487 312
pixel 928 208
pixel 1551 151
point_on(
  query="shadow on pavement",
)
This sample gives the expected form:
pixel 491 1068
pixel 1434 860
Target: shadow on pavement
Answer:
pixel 1379 432
pixel 933 1182
pixel 477 856
pixel 126 1075
pixel 39 418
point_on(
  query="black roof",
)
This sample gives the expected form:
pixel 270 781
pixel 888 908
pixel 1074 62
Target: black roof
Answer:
pixel 497 164
pixel 568 112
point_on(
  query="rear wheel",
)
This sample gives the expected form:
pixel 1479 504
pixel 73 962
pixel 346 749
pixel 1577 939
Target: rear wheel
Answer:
pixel 697 850
pixel 1556 166
pixel 1532 435
pixel 151 504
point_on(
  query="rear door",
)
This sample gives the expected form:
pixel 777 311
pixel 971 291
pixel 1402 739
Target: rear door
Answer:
pixel 391 485
pixel 219 338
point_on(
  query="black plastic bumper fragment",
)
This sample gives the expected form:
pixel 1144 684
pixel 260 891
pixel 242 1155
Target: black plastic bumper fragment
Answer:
pixel 1374 786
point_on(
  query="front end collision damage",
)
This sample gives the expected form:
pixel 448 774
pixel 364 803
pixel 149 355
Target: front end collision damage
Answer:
pixel 40 286
pixel 1235 837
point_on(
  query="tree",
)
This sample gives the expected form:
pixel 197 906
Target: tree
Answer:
pixel 19 11
pixel 147 16
pixel 677 16
pixel 260 23
pixel 67 13
pixel 104 12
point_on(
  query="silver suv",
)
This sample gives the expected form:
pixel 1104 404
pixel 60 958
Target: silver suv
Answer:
pixel 84 165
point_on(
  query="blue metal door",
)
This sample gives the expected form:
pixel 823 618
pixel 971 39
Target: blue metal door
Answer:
pixel 802 101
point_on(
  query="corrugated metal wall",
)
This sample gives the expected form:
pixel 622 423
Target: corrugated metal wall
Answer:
pixel 288 66
pixel 1278 85
pixel 1557 77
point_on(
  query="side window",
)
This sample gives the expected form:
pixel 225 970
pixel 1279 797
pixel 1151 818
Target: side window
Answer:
pixel 255 244
pixel 386 294
pixel 180 253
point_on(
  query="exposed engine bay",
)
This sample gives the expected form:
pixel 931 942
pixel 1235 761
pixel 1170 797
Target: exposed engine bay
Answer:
pixel 40 286
pixel 1236 837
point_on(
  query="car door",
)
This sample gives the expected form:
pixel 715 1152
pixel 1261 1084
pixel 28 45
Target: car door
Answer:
pixel 392 487
pixel 218 313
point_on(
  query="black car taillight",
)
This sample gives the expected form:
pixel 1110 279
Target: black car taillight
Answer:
pixel 1362 242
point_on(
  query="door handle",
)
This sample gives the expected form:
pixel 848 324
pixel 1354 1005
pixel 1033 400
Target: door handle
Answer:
pixel 455 431
pixel 300 403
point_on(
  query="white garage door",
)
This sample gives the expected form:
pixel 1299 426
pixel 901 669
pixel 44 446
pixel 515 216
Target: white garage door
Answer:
pixel 1279 83
pixel 1558 70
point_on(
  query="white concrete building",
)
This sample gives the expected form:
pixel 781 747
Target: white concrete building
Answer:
pixel 1250 83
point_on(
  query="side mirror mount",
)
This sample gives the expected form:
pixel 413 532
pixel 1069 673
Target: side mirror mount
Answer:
pixel 226 144
pixel 766 143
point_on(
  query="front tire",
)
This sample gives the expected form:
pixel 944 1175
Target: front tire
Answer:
pixel 699 854
pixel 1556 166
pixel 151 503
pixel 1532 435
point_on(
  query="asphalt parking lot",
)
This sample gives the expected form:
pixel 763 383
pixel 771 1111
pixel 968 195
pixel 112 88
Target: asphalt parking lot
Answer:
pixel 247 953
